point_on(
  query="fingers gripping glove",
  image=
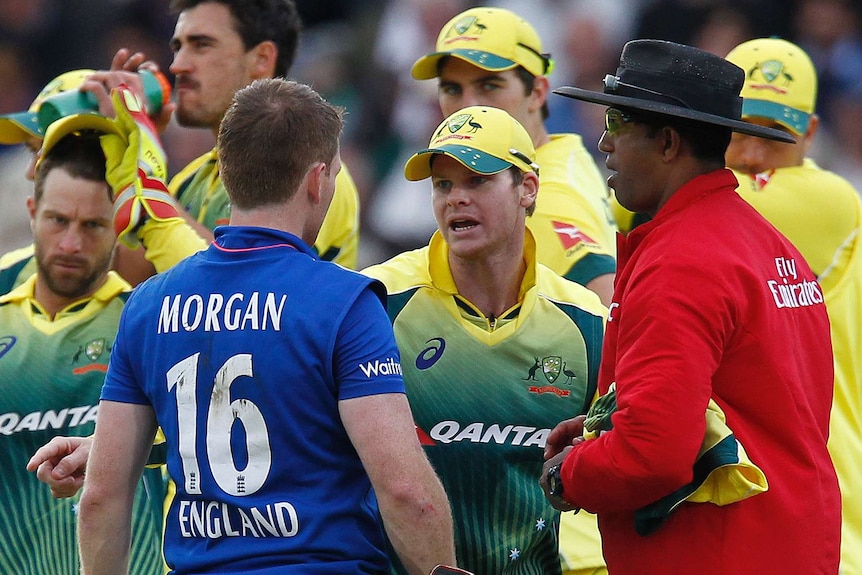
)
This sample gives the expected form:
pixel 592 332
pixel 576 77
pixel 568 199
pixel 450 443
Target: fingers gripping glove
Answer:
pixel 135 169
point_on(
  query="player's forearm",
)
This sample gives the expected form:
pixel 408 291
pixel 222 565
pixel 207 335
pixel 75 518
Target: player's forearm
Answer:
pixel 104 535
pixel 418 522
pixel 123 439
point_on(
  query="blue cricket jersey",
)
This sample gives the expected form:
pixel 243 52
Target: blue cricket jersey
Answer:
pixel 244 352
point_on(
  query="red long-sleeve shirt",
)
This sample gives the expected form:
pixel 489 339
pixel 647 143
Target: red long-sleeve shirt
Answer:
pixel 712 302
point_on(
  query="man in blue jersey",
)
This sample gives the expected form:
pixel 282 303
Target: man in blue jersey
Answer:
pixel 275 378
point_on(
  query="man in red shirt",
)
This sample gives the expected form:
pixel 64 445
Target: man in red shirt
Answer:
pixel 711 304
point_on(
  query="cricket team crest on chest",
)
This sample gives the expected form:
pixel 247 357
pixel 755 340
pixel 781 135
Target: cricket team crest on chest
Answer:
pixel 86 357
pixel 551 368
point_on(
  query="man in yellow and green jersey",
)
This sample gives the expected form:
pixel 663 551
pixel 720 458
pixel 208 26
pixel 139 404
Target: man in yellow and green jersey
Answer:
pixel 495 347
pixel 58 328
pixel 219 47
pixel 821 214
pixel 493 57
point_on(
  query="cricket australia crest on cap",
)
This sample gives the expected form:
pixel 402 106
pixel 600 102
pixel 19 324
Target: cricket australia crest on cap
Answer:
pixel 780 82
pixel 485 140
pixel 493 39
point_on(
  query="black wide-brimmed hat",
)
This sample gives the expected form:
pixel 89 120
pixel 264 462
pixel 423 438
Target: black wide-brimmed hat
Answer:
pixel 680 81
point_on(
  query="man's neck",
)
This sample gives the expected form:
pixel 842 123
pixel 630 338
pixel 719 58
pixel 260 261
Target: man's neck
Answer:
pixel 53 303
pixel 492 284
pixel 538 132
pixel 283 217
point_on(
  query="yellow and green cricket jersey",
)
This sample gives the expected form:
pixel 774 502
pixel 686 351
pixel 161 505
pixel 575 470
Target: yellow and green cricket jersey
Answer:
pixel 821 214
pixel 486 392
pixel 573 226
pixel 199 189
pixel 15 267
pixel 51 375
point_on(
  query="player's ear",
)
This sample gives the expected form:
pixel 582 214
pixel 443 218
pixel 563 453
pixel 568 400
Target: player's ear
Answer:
pixel 810 131
pixel 264 56
pixel 31 208
pixel 539 95
pixel 529 190
pixel 314 181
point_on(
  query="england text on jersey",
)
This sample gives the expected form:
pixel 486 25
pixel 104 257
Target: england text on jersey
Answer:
pixel 214 312
pixel 213 520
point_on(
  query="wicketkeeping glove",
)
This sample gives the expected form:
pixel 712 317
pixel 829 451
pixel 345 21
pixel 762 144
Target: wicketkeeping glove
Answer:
pixel 136 168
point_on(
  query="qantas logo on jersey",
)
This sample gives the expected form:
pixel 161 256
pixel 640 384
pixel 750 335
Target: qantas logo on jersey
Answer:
pixel 788 291
pixel 66 418
pixel 479 432
pixel 571 236
pixel 376 368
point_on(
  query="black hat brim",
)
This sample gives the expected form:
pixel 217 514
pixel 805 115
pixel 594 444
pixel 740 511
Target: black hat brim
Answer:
pixel 675 111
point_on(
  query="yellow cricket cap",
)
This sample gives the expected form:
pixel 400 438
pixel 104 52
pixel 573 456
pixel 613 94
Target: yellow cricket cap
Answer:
pixel 485 140
pixel 492 39
pixel 18 127
pixel 75 123
pixel 780 82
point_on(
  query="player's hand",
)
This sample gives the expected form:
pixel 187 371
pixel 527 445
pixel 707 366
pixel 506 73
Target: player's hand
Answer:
pixel 556 501
pixel 136 169
pixel 565 434
pixel 124 70
pixel 61 464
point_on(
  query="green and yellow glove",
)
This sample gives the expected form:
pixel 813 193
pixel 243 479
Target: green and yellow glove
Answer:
pixel 599 416
pixel 136 169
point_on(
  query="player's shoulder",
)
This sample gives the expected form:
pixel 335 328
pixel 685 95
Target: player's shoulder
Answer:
pixel 563 143
pixel 344 181
pixel 15 267
pixel 184 176
pixel 805 179
pixel 553 287
pixel 403 272
pixel 16 256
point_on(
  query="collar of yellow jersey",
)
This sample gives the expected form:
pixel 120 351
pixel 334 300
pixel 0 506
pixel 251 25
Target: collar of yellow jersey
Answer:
pixel 114 285
pixel 441 274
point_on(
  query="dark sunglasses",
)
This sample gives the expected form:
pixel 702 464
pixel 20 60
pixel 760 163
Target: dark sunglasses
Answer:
pixel 616 121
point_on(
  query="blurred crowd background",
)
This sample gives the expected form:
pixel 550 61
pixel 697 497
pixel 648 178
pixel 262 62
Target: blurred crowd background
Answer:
pixel 358 54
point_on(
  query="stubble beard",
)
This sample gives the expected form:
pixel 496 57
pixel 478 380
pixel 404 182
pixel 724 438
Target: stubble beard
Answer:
pixel 72 286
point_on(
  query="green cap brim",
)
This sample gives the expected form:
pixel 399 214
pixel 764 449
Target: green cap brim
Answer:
pixel 791 118
pixel 418 167
pixel 17 128
pixel 425 67
pixel 76 123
